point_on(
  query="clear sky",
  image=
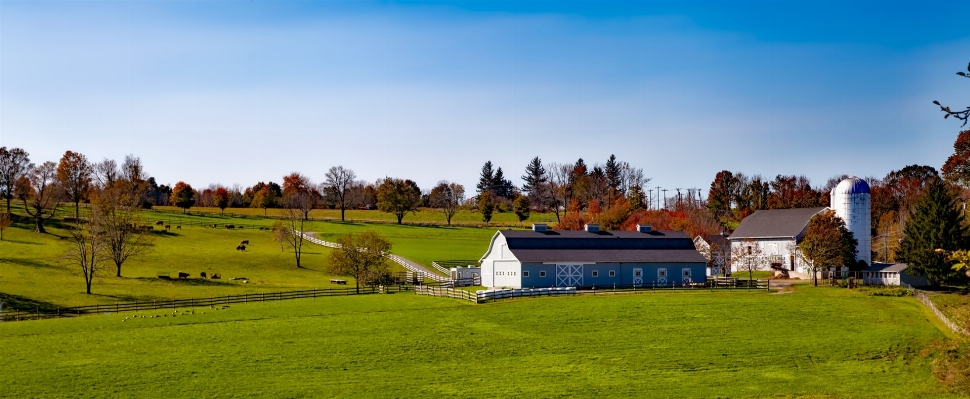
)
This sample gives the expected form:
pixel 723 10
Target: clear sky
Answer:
pixel 244 91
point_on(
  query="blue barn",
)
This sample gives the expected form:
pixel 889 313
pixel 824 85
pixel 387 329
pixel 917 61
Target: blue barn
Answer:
pixel 591 258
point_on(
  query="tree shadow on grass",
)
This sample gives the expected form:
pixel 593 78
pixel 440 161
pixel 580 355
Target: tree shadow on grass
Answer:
pixel 22 242
pixel 29 263
pixel 11 301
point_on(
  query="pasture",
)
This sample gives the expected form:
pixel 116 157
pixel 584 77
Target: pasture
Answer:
pixel 823 342
pixel 33 272
pixel 463 217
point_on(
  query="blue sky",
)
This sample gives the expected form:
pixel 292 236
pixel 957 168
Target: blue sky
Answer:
pixel 244 91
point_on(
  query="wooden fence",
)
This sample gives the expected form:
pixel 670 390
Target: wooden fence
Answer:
pixel 481 296
pixel 37 314
pixel 953 326
pixel 445 292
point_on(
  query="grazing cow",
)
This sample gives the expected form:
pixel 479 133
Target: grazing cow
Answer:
pixel 183 275
pixel 178 227
pixel 230 227
pixel 159 222
pixel 202 274
pixel 244 242
pixel 215 276
pixel 240 247
pixel 168 227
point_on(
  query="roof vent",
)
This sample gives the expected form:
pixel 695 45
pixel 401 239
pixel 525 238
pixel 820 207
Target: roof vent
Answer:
pixel 540 227
pixel 592 228
pixel 644 228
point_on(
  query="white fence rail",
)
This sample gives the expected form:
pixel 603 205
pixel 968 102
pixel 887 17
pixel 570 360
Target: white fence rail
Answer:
pixel 440 269
pixel 953 326
pixel 491 295
pixel 394 258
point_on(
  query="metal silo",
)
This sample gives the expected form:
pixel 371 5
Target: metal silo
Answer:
pixel 851 201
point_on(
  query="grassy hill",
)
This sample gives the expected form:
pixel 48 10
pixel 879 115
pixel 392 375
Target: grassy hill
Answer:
pixel 821 342
pixel 33 271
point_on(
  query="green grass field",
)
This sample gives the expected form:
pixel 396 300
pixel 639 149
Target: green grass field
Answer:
pixel 463 217
pixel 33 272
pixel 815 342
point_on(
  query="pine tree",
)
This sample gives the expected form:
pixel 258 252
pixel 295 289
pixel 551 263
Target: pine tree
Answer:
pixel 535 179
pixel 498 184
pixel 613 173
pixel 486 179
pixel 936 223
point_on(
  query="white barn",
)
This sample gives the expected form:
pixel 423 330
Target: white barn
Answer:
pixel 777 233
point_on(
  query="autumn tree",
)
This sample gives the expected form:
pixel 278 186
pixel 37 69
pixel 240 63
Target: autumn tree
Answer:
pixel 40 193
pixel 183 196
pixel 115 217
pixel 573 219
pixel 339 182
pixel 221 199
pixel 361 256
pixel 264 198
pixel 398 196
pixel 828 243
pixel 74 174
pixel 957 166
pixel 299 193
pixel 935 224
pixel 14 164
pixel 106 173
pixel 536 181
pixel 134 179
pixel 719 195
pixel 447 196
pixel 960 115
pixel 521 207
pixel 486 206
pixel 789 192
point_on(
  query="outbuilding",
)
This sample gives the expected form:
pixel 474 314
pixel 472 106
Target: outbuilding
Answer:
pixel 891 274
pixel 591 258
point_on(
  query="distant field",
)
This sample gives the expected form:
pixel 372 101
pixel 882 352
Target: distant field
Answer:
pixel 423 215
pixel 32 266
pixel 955 306
pixel 815 342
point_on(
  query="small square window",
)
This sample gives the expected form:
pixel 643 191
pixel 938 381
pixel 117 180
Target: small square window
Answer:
pixel 686 272
pixel 662 272
pixel 612 273
pixel 596 273
pixel 525 274
pixel 542 273
pixel 637 273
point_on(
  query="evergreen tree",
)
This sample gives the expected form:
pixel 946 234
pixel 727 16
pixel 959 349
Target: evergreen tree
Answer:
pixel 486 179
pixel 500 186
pixel 936 223
pixel 613 177
pixel 535 179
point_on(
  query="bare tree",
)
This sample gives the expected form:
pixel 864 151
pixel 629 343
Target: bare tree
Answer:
pixel 747 257
pixel 448 197
pixel 74 173
pixel 559 190
pixel 289 230
pixel 87 247
pixel 40 194
pixel 361 256
pixel 358 194
pixel 117 221
pixel 14 164
pixel 339 182
pixel 5 221
pixel 106 173
pixel 134 178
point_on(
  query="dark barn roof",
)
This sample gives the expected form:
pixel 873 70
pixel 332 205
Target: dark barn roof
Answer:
pixel 886 267
pixel 775 223
pixel 602 246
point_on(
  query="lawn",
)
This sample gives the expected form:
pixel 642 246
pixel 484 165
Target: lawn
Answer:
pixel 955 305
pixel 34 273
pixel 815 342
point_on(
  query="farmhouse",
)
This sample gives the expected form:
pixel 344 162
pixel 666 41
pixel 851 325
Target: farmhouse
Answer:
pixel 547 258
pixel 775 234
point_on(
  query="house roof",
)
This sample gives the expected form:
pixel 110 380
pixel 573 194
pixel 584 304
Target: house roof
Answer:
pixel 775 223
pixel 601 246
pixel 886 267
pixel 720 240
pixel 610 255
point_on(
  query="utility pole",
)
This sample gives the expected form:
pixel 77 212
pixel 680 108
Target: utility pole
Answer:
pixel 680 201
pixel 665 199
pixel 649 198
pixel 658 197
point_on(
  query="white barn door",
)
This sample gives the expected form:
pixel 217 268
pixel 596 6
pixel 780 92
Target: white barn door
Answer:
pixel 569 275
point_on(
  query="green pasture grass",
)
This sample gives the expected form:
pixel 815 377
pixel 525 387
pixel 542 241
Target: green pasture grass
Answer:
pixel 34 273
pixel 463 217
pixel 814 342
pixel 955 305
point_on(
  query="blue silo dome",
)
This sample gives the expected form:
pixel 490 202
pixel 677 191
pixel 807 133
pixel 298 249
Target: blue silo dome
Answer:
pixel 852 185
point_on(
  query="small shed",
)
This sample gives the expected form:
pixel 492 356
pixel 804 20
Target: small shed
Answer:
pixel 891 274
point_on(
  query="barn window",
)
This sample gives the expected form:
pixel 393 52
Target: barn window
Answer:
pixel 686 272
pixel 612 273
pixel 661 273
pixel 596 273
pixel 542 273
pixel 525 273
